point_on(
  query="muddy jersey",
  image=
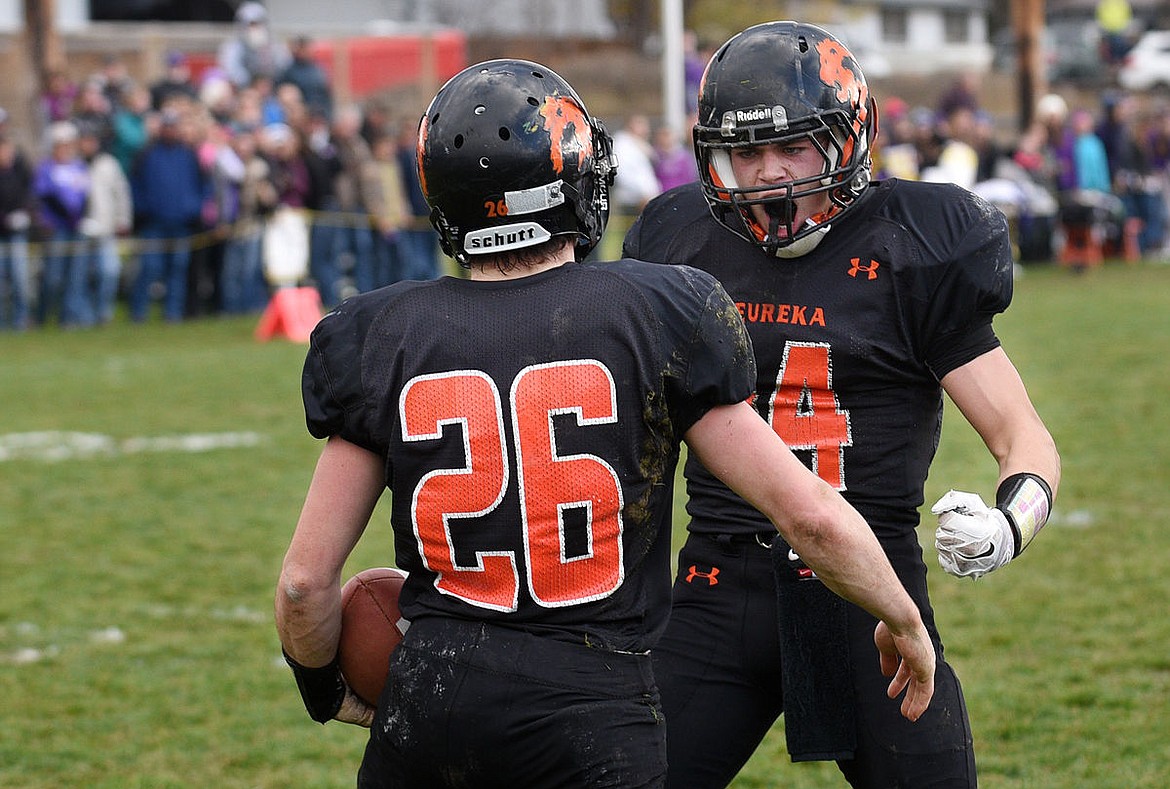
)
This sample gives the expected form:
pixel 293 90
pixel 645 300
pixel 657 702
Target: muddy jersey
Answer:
pixel 852 339
pixel 530 430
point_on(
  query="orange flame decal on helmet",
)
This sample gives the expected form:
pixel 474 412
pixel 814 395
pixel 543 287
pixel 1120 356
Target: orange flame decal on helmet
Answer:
pixel 565 122
pixel 849 85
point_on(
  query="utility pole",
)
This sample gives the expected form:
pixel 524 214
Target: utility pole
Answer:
pixel 42 53
pixel 1028 26
pixel 44 46
pixel 673 88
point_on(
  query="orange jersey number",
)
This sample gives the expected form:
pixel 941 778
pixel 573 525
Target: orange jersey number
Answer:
pixel 805 413
pixel 549 483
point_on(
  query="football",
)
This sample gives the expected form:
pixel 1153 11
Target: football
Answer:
pixel 371 627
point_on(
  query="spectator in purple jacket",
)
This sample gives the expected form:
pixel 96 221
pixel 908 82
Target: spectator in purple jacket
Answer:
pixel 1052 113
pixel 61 189
pixel 674 162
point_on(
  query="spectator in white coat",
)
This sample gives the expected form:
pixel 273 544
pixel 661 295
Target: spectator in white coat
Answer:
pixel 109 214
pixel 635 183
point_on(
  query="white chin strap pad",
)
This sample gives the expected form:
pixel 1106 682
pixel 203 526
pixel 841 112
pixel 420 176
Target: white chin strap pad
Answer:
pixel 802 246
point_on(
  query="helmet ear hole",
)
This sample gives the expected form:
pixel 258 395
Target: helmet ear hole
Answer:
pixel 505 135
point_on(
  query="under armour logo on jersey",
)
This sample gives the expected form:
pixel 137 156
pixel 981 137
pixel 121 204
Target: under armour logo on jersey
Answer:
pixel 870 268
pixel 712 577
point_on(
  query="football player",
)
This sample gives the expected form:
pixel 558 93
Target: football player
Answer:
pixel 865 301
pixel 527 421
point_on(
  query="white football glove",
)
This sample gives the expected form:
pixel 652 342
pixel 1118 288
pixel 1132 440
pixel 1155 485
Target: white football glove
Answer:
pixel 972 539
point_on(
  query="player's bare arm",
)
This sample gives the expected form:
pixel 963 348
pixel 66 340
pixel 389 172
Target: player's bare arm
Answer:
pixel 827 532
pixel 972 538
pixel 345 488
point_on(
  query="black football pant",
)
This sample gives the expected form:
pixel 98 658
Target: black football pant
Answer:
pixel 473 705
pixel 718 669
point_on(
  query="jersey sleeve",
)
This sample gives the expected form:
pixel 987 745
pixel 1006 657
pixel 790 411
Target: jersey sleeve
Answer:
pixel 632 243
pixel 719 363
pixel 331 383
pixel 663 231
pixel 967 286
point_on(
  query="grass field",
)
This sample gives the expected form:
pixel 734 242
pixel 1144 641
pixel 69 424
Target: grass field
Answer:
pixel 150 477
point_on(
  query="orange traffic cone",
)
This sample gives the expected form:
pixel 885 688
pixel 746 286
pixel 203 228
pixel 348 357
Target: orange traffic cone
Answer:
pixel 292 313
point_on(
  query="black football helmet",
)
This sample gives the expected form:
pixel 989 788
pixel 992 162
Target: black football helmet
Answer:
pixel 508 157
pixel 778 82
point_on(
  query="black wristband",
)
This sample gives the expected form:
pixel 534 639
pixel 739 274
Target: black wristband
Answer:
pixel 322 689
pixel 1026 500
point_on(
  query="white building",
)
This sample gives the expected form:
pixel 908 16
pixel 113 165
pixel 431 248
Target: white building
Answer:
pixel 890 36
pixel 913 36
pixel 553 18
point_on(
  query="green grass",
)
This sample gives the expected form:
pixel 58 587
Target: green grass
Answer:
pixel 136 638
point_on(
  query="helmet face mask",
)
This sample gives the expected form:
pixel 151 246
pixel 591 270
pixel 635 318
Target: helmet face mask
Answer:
pixel 784 84
pixel 509 158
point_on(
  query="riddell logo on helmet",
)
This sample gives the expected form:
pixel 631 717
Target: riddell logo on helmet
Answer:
pixel 777 115
pixel 751 116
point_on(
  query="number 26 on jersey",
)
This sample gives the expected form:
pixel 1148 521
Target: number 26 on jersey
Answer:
pixel 548 482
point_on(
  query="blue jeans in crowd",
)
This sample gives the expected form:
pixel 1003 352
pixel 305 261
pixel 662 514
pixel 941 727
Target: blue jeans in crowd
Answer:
pixel 357 239
pixel 65 281
pixel 165 257
pixel 107 271
pixel 1150 207
pixel 387 259
pixel 242 287
pixel 419 253
pixel 322 258
pixel 14 282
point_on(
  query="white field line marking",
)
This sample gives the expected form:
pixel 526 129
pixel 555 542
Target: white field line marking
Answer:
pixel 27 643
pixel 53 446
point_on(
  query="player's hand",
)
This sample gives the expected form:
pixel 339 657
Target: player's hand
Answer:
pixel 910 660
pixel 354 710
pixel 972 539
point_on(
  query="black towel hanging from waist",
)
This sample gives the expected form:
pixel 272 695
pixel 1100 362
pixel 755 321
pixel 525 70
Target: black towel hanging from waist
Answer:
pixel 819 715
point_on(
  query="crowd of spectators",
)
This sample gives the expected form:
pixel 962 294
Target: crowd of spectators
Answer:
pixel 164 195
pixel 169 193
pixel 1104 167
pixel 652 158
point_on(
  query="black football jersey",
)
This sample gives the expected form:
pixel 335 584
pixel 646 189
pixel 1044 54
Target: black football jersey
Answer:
pixel 852 339
pixel 531 429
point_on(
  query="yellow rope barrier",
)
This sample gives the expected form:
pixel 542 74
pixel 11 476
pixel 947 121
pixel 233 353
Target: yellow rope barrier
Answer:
pixel 133 245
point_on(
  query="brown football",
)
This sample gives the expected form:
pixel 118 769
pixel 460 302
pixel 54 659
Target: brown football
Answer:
pixel 371 627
